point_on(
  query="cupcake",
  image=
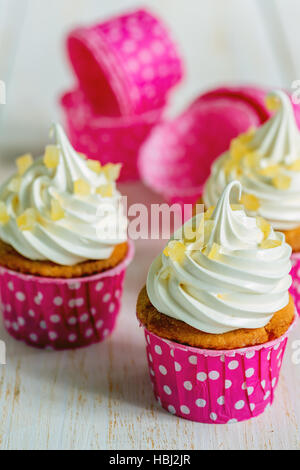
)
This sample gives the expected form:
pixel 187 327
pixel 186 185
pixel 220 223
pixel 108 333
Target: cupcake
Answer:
pixel 267 162
pixel 63 248
pixel 216 313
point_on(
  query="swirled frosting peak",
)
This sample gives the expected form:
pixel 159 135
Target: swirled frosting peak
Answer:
pixel 267 162
pixel 62 207
pixel 224 270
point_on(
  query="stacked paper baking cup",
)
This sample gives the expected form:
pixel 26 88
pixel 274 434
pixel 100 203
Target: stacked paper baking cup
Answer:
pixel 125 69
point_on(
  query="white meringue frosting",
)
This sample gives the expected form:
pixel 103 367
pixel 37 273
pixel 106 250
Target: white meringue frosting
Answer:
pixel 267 162
pixel 233 274
pixel 65 212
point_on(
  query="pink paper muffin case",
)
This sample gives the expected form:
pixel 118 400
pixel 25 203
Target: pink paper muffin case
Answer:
pixel 62 314
pixel 215 387
pixel 107 139
pixel 127 65
pixel 295 273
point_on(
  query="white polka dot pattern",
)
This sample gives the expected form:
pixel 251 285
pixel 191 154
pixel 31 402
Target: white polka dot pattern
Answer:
pixel 62 314
pixel 211 387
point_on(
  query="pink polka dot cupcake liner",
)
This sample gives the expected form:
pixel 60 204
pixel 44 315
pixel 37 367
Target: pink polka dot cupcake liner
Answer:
pixel 295 273
pixel 107 139
pixel 62 314
pixel 126 65
pixel 210 386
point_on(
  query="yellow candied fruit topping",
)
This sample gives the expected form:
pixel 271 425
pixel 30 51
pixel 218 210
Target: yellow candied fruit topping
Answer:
pixel 264 226
pixel 27 220
pixel 51 157
pixel 250 202
pixel 246 136
pixel 15 184
pixel 112 172
pixel 23 163
pixel 214 253
pixel 271 170
pixel 82 188
pixel 266 244
pixel 176 251
pixel 105 190
pixel 251 159
pixel 295 166
pixel 281 182
pixel 4 217
pixel 193 234
pixel 209 213
pixel 272 103
pixel 57 212
pixel 94 166
pixel 238 149
pixel 82 155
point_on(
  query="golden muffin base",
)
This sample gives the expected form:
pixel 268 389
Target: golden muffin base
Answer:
pixel 180 332
pixel 12 260
pixel 292 237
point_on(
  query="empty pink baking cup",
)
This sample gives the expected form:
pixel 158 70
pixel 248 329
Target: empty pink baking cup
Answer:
pixel 107 139
pixel 210 386
pixel 62 313
pixel 295 273
pixel 176 159
pixel 126 65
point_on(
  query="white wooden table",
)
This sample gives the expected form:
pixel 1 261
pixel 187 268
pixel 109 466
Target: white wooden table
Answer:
pixel 101 397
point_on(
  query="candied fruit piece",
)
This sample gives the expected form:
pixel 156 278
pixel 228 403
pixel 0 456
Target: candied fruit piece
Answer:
pixel 82 188
pixel 94 166
pixel 105 190
pixel 281 182
pixel 27 220
pixel 15 185
pixel 192 233
pixel 246 136
pixel 250 202
pixel 209 213
pixel 23 163
pixel 112 172
pixel 251 159
pixel 270 244
pixel 272 103
pixel 57 212
pixel 264 226
pixel 295 166
pixel 214 252
pixel 4 217
pixel 176 251
pixel 51 157
pixel 229 167
pixel 271 170
pixel 238 149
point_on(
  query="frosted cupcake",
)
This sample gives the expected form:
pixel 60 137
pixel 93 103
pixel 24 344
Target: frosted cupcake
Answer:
pixel 63 248
pixel 267 162
pixel 216 312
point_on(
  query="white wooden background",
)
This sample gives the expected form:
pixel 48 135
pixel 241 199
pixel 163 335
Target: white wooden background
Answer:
pixel 101 398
